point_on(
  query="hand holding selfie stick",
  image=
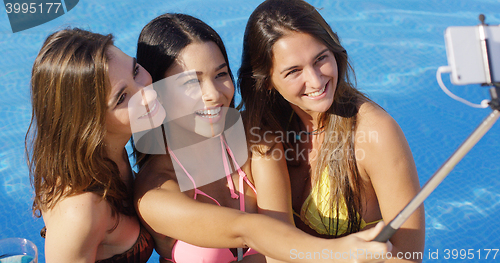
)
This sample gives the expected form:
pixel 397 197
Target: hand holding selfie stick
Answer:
pixel 446 168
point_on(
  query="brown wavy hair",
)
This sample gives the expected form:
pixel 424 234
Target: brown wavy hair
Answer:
pixel 265 107
pixel 65 140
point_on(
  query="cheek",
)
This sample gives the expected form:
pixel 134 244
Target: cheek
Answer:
pixel 118 120
pixel 118 116
pixel 276 84
pixel 145 78
pixel 329 69
pixel 335 68
pixel 226 88
pixel 230 91
pixel 181 105
pixel 124 117
pixel 290 87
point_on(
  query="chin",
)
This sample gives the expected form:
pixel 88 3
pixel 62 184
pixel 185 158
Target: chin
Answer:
pixel 324 106
pixel 209 130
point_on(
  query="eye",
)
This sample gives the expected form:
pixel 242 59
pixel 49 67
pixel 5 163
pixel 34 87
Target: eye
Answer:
pixel 136 70
pixel 321 58
pixel 191 81
pixel 291 72
pixel 121 99
pixel 222 74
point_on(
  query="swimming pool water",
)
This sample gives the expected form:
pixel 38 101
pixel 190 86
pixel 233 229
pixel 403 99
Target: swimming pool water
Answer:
pixel 395 48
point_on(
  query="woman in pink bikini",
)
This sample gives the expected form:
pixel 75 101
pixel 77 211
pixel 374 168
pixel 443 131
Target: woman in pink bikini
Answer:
pixel 194 213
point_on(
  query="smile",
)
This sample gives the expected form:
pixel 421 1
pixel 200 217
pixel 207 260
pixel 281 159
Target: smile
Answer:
pixel 151 110
pixel 317 93
pixel 209 113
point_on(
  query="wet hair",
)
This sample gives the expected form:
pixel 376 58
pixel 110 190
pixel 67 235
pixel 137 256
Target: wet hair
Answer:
pixel 65 139
pixel 265 107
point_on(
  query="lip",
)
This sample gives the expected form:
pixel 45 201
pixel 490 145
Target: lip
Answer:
pixel 322 95
pixel 153 110
pixel 210 114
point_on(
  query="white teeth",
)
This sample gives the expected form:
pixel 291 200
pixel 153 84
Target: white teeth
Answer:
pixel 317 93
pixel 150 110
pixel 209 113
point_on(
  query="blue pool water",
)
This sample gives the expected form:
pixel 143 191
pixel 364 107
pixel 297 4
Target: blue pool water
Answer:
pixel 395 47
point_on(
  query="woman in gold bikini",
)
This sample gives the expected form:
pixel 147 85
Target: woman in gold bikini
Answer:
pixel 349 163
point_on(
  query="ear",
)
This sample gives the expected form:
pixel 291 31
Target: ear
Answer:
pixel 270 86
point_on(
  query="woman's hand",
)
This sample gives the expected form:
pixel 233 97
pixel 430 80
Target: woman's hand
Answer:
pixel 359 247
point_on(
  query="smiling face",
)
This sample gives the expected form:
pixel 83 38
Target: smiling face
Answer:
pixel 198 89
pixel 132 103
pixel 304 72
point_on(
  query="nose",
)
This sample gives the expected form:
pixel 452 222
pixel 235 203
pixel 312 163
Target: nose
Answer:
pixel 147 79
pixel 148 95
pixel 210 92
pixel 313 77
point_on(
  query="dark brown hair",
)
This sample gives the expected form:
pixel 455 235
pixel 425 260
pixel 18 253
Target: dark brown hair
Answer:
pixel 65 140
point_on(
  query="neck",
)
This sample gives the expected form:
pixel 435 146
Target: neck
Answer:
pixel 310 120
pixel 115 150
pixel 179 137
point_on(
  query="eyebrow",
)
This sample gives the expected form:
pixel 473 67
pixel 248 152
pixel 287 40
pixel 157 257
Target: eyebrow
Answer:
pixel 221 66
pixel 187 73
pixel 293 67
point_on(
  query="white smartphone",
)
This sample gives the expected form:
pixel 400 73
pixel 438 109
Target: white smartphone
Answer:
pixel 465 57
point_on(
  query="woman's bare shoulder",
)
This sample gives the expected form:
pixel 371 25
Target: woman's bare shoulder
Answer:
pixel 85 212
pixel 154 174
pixel 373 120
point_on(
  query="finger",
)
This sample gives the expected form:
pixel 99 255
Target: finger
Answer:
pixel 376 231
pixel 389 246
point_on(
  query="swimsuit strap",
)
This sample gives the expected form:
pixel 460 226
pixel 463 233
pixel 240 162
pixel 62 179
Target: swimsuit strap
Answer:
pixel 243 178
pixel 240 171
pixel 242 175
pixel 196 190
pixel 230 183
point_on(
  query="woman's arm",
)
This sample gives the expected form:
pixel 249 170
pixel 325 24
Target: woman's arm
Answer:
pixel 76 226
pixel 270 174
pixel 383 154
pixel 167 211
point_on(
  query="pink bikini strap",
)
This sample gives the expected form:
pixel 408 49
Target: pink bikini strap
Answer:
pixel 196 190
pixel 230 183
pixel 241 174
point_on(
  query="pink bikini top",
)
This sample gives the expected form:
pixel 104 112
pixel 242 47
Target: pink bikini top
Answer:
pixel 183 252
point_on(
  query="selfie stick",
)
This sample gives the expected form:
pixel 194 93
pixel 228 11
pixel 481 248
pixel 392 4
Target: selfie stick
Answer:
pixel 446 168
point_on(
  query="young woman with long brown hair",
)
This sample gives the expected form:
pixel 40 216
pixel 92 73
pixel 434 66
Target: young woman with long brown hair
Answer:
pixel 81 86
pixel 349 163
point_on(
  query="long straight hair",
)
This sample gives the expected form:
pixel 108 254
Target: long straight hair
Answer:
pixel 65 139
pixel 266 108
